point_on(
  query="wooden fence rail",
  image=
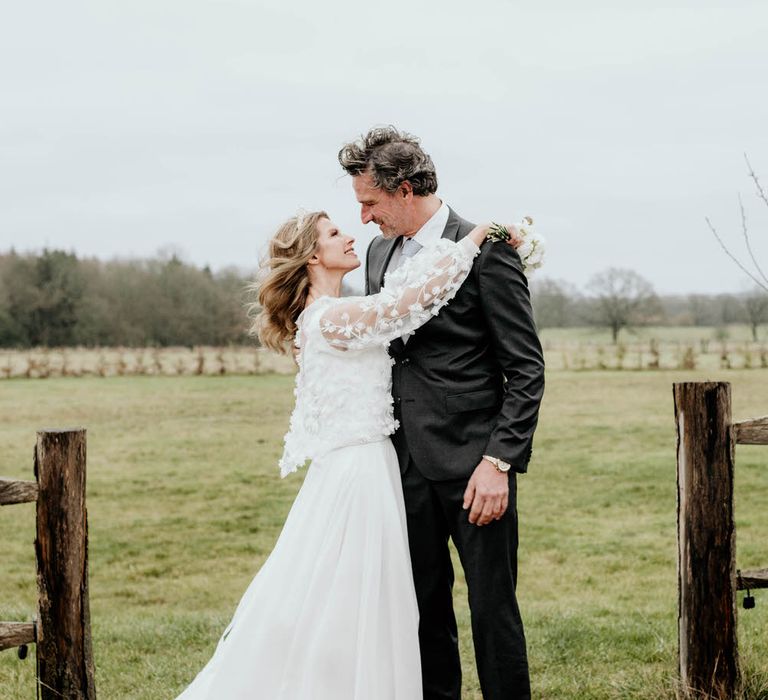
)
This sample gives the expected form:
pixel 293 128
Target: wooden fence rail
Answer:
pixel 707 574
pixel 752 579
pixel 17 492
pixel 62 631
pixel 14 634
pixel 751 432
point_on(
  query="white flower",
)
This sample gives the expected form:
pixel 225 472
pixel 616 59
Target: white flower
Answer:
pixel 534 256
pixel 532 248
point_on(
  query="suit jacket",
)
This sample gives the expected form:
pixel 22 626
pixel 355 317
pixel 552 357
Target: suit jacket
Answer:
pixel 469 382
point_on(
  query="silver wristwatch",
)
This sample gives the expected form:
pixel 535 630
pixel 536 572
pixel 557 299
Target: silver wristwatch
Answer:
pixel 500 464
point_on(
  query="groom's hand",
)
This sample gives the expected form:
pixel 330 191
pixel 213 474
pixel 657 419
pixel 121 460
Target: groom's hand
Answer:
pixel 487 494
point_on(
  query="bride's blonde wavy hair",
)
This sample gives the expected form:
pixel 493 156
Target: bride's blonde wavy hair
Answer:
pixel 284 282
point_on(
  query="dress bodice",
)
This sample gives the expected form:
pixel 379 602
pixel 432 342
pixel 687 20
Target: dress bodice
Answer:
pixel 343 386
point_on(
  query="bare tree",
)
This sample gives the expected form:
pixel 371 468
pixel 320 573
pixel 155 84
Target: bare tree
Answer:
pixel 620 298
pixel 757 275
pixel 756 310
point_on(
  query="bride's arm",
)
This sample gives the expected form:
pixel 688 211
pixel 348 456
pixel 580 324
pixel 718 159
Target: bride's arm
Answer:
pixel 410 297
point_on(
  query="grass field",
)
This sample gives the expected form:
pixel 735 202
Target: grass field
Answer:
pixel 647 348
pixel 185 503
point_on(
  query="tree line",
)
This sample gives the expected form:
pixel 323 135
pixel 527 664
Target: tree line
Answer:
pixel 53 299
pixel 618 298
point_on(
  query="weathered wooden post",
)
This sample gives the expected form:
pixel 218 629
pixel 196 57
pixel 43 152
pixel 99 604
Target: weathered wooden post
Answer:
pixel 64 649
pixel 706 541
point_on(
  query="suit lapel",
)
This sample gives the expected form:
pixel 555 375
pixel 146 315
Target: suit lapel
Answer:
pixel 451 230
pixel 389 250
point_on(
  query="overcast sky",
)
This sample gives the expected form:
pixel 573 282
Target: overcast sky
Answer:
pixel 129 126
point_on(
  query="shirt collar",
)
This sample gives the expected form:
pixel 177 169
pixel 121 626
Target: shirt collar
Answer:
pixel 433 229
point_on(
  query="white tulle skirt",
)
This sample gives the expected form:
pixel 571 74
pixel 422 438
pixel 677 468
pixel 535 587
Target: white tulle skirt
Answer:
pixel 332 614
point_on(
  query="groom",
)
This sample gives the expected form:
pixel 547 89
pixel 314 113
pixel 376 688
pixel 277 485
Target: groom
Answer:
pixel 466 388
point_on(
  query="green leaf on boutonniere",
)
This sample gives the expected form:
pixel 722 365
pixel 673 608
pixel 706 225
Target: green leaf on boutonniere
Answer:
pixel 497 232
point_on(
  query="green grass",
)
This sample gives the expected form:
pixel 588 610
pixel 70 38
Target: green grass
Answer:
pixel 185 502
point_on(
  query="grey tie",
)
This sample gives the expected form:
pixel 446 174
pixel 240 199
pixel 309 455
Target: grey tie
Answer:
pixel 409 249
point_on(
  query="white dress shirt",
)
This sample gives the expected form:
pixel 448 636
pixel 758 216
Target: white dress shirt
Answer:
pixel 430 232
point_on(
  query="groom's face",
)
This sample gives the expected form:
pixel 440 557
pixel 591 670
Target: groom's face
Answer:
pixel 391 212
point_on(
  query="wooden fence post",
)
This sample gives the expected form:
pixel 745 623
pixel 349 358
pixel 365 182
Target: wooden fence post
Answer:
pixel 64 647
pixel 706 541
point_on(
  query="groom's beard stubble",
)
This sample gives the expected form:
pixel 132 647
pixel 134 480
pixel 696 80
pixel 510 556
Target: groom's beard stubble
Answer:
pixel 389 233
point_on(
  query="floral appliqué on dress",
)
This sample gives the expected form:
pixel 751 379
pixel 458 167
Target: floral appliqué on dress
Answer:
pixel 343 386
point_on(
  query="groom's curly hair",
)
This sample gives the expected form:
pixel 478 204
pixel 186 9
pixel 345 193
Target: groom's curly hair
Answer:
pixel 391 157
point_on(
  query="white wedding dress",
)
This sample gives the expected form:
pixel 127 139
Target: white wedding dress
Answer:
pixel 332 613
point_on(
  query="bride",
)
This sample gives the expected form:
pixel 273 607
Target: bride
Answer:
pixel 332 613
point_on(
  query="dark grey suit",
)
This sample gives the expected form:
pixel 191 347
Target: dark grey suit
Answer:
pixel 467 383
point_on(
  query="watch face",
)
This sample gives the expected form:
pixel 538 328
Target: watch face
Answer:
pixel 499 464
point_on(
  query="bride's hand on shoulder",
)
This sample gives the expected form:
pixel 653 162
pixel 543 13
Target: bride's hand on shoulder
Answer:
pixel 515 239
pixel 480 233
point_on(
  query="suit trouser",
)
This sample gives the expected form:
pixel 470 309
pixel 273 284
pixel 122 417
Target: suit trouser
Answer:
pixel 489 558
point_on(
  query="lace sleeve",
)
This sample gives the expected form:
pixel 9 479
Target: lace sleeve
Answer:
pixel 411 295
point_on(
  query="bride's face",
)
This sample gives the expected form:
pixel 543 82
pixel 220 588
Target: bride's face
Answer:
pixel 335 251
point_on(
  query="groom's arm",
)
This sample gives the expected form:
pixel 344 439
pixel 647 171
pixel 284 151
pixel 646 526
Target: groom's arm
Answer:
pixel 506 305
